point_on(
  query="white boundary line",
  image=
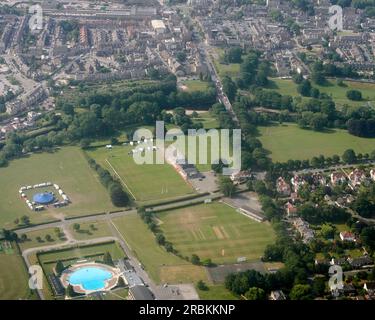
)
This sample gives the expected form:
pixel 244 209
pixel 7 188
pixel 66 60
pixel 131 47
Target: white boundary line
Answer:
pixel 123 182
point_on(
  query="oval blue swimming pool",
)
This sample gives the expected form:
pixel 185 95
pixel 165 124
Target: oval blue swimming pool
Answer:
pixel 90 278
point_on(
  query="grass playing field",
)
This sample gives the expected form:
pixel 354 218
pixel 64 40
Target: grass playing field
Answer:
pixel 288 87
pixel 195 85
pixel 231 69
pixel 159 264
pixel 216 292
pixel 208 121
pixel 145 182
pixel 13 277
pixel 215 231
pixel 288 141
pixel 66 167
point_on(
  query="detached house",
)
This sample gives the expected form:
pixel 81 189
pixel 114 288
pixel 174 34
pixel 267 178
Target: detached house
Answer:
pixel 372 174
pixel 338 178
pixel 370 288
pixel 357 176
pixel 361 262
pixel 297 182
pixel 291 210
pixel 282 187
pixel 319 179
pixel 347 236
pixel 240 176
pixel 277 295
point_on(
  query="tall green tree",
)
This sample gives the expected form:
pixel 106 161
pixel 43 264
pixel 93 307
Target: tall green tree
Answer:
pixel 255 293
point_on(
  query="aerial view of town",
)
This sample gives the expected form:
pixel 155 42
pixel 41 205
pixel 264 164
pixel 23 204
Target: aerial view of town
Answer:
pixel 187 150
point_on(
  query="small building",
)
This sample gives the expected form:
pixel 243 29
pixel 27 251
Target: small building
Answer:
pixel 297 181
pixel 372 174
pixel 56 284
pixel 348 289
pixel 347 236
pixel 338 261
pixel 140 292
pixel 319 179
pixel 370 288
pixel 158 26
pixel 357 176
pixel 364 261
pixel 291 210
pixel 282 187
pixel 131 278
pixel 294 196
pixel 338 178
pixel 240 176
pixel 304 229
pixel 277 295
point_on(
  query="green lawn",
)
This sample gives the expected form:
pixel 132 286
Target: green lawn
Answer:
pixel 288 87
pixel 13 278
pixel 32 242
pixel 66 167
pixel 159 264
pixel 202 164
pixel 231 69
pixel 86 231
pixel 216 292
pixel 288 141
pixel 208 121
pixel 145 182
pixel 196 85
pixel 215 231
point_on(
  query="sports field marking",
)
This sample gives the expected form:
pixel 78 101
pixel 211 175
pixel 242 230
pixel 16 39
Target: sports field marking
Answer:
pixel 218 233
pixel 123 182
pixel 225 233
pixel 194 235
pixel 200 232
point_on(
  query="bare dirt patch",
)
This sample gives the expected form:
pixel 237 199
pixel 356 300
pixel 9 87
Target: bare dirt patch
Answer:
pixel 218 232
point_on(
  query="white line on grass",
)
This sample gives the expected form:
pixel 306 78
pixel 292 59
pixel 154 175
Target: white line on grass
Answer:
pixel 123 182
